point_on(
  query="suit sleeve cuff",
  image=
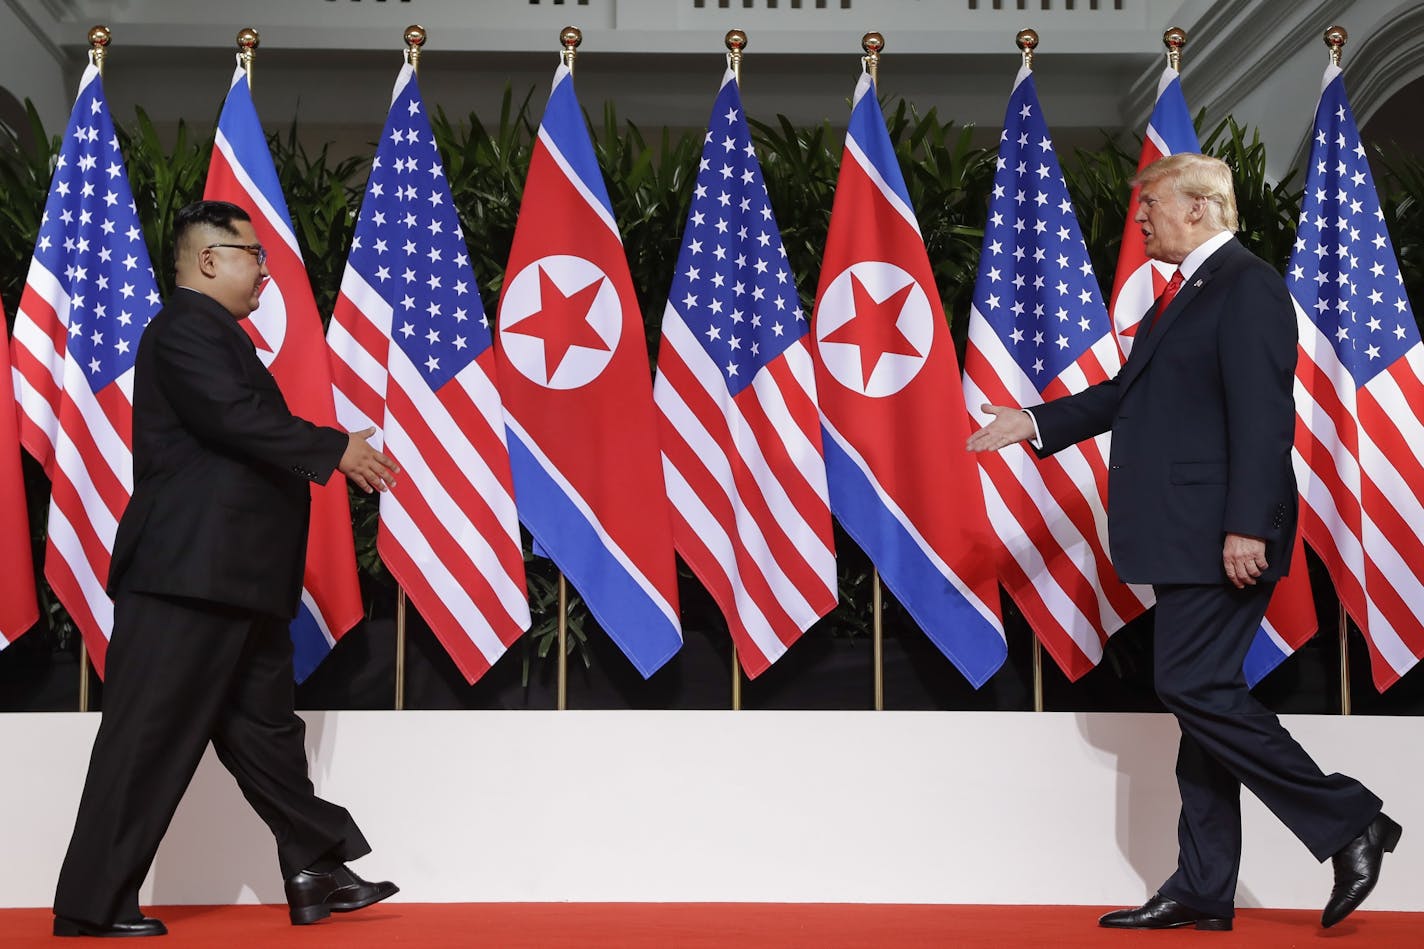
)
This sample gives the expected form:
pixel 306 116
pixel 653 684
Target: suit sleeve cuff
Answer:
pixel 1037 440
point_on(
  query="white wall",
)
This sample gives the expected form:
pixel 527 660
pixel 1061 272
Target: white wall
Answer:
pixel 916 807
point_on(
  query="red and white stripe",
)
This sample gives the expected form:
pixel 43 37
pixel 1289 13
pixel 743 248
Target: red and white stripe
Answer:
pixel 1362 483
pixel 1050 514
pixel 84 442
pixel 18 607
pixel 747 481
pixel 448 533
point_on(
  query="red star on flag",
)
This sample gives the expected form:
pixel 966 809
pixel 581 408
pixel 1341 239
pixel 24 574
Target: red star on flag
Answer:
pixel 873 328
pixel 561 322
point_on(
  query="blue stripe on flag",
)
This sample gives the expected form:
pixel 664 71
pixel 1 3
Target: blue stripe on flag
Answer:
pixel 951 622
pixel 613 597
pixel 1171 120
pixel 563 123
pixel 867 130
pixel 242 129
pixel 1263 657
pixel 309 646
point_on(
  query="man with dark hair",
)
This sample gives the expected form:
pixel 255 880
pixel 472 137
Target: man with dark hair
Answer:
pixel 205 575
pixel 1202 505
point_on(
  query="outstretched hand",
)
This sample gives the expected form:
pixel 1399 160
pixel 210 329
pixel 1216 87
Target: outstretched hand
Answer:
pixel 1008 427
pixel 367 468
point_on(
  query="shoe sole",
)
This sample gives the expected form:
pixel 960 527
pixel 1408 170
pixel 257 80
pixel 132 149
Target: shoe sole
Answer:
pixel 69 927
pixel 1212 924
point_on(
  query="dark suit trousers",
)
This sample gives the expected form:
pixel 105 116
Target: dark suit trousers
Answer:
pixel 1229 739
pixel 181 673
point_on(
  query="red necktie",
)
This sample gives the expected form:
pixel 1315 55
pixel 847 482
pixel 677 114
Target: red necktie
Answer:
pixel 1168 292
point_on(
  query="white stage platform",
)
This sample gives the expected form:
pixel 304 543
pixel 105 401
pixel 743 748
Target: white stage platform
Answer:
pixel 903 807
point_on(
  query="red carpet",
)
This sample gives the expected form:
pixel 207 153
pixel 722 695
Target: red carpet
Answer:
pixel 720 925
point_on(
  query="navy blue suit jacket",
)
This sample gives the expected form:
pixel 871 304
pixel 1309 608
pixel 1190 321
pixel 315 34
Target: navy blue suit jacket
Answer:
pixel 1202 421
pixel 222 469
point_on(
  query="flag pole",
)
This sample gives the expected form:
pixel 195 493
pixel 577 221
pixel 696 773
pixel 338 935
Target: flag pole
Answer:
pixel 99 37
pixel 570 38
pixel 414 37
pixel 247 42
pixel 1335 39
pixel 736 41
pixel 872 43
pixel 1027 42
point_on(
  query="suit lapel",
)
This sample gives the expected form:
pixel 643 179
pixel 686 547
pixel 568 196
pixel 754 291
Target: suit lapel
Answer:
pixel 1143 350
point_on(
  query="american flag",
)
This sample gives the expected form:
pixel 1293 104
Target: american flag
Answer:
pixel 1038 330
pixel 411 355
pixel 89 294
pixel 892 415
pixel 286 329
pixel 18 607
pixel 736 395
pixel 1359 395
pixel 1290 619
pixel 578 395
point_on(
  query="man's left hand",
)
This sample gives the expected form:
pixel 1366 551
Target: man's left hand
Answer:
pixel 1244 558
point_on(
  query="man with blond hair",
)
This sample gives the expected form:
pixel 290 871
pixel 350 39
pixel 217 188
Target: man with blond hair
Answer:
pixel 1202 505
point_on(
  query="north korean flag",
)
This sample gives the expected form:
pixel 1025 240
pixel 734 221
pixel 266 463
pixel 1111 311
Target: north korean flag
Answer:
pixel 578 397
pixel 892 410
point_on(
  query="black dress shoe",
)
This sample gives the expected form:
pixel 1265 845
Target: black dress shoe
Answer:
pixel 143 926
pixel 315 896
pixel 1162 913
pixel 1357 868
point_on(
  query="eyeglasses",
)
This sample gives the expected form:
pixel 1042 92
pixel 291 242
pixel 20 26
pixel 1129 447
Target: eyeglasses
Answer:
pixel 256 250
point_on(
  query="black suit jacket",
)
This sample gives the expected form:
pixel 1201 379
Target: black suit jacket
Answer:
pixel 1202 421
pixel 221 497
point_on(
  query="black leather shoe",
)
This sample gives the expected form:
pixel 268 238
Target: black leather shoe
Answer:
pixel 1357 868
pixel 1162 913
pixel 143 926
pixel 315 896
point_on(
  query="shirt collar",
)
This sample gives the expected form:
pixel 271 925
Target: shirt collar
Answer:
pixel 1205 249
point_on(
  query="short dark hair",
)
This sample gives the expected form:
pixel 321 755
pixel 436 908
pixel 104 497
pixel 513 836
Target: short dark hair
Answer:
pixel 219 214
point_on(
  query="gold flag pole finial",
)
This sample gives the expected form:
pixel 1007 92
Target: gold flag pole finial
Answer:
pixel 570 38
pixel 736 41
pixel 414 37
pixel 247 41
pixel 1174 39
pixel 1027 40
pixel 1336 38
pixel 99 37
pixel 872 43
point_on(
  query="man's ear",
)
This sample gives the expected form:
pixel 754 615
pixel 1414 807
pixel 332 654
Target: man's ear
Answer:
pixel 207 262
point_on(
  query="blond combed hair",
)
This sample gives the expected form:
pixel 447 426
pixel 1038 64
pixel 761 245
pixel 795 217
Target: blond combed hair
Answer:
pixel 1198 176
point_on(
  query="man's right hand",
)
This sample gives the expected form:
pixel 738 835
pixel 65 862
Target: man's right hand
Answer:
pixel 362 464
pixel 1009 426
